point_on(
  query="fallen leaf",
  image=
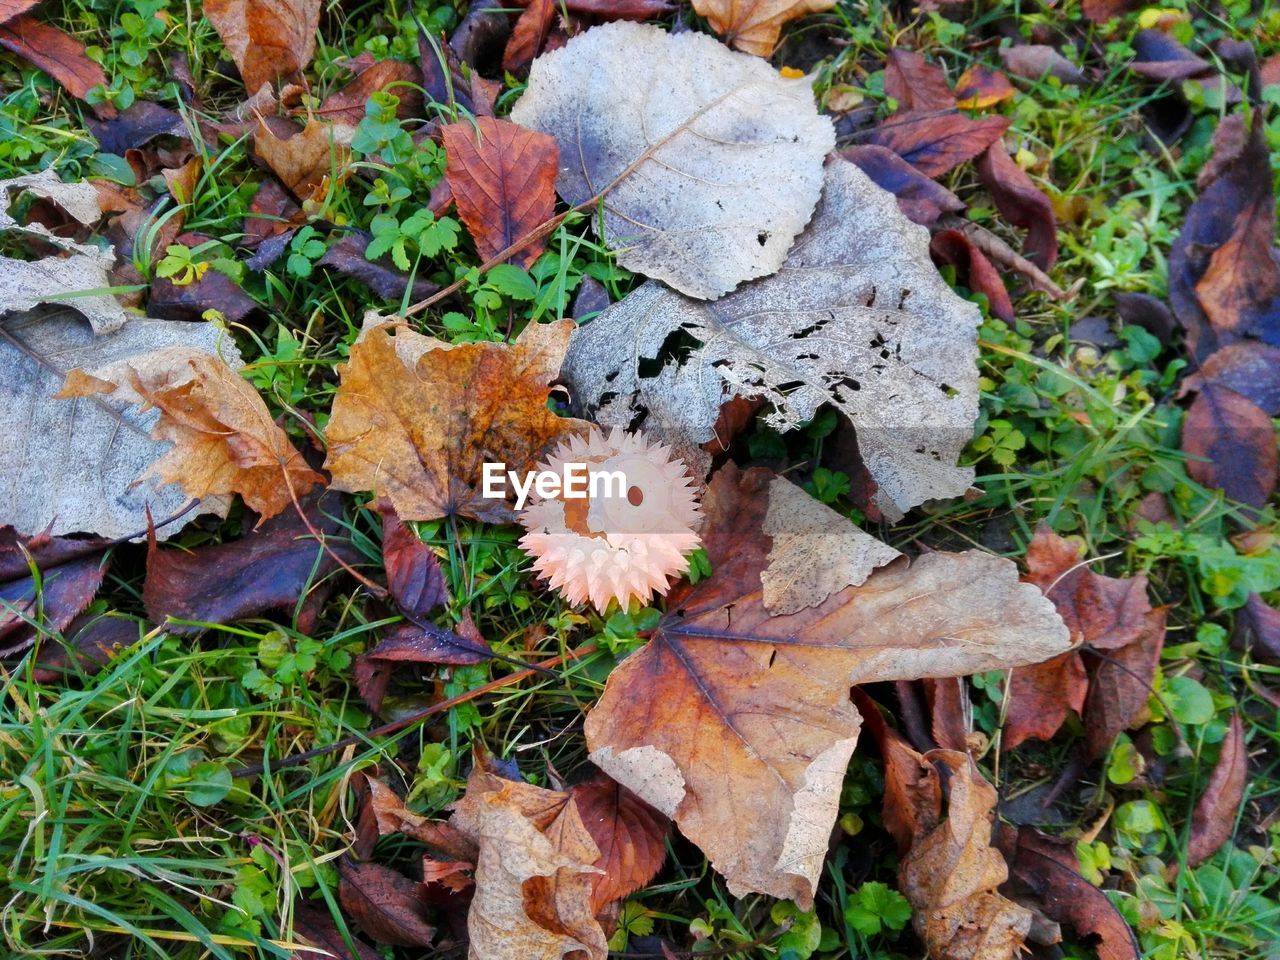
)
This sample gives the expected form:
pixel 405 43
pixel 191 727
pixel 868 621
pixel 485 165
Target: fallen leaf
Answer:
pixel 270 568
pixel 85 455
pixel 534 872
pixel 753 26
pixel 1214 818
pixel 347 106
pixel 921 199
pixel 428 643
pixel 1224 281
pixel 14 8
pixel 87 644
pixel 502 178
pixel 1047 867
pixel 954 247
pixel 316 926
pixel 1100 11
pixel 269 40
pixel 385 903
pixel 1231 445
pixel 816 551
pixel 711 162
pixel 1022 203
pixel 1033 61
pixel 272 212
pixel 529 34
pixel 772 693
pixel 1158 56
pixel 621 9
pixel 347 256
pixel 191 301
pixel 951 876
pixel 1041 697
pixel 1119 685
pixel 414 578
pixel 136 127
pixel 872 330
pixel 631 836
pixel 420 434
pixel 1248 368
pixel 1257 629
pixel 64 592
pixel 62 57
pixel 950 713
pixel 224 440
pixel 935 143
pixel 310 163
pixel 912 803
pixel 915 83
pixel 980 87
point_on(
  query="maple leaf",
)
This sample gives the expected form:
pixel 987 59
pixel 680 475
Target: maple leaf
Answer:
pixel 503 181
pixel 754 26
pixel 857 317
pixel 269 40
pixel 224 440
pixel 415 419
pixel 727 701
pixel 534 873
pixel 710 161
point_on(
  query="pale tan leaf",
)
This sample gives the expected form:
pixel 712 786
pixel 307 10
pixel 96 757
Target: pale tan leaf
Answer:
pixel 311 162
pixel 711 159
pixel 858 317
pixel 753 25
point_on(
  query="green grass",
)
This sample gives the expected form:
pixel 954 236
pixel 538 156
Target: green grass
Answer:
pixel 123 832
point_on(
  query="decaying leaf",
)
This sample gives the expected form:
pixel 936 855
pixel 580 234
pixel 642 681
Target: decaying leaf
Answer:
pixel 1231 445
pixel 934 142
pixel 857 317
pixel 61 56
pixel 980 87
pixel 753 26
pixel 912 790
pixel 529 34
pixel 1036 60
pixel 1120 685
pixel 711 160
pixel 503 180
pixel 310 163
pixel 951 875
pixel 772 693
pixel 631 836
pixel 816 552
pixel 1022 203
pixel 385 903
pixel 921 199
pixel 534 872
pixel 1247 367
pixel 396 77
pixel 316 926
pixel 85 455
pixel 224 440
pixel 957 248
pixel 269 40
pixel 1214 819
pixel 414 578
pixel 419 434
pixel 64 591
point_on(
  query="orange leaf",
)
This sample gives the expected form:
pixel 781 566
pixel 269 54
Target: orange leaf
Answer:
pixel 503 180
pixel 224 440
pixel 51 50
pixel 269 40
pixel 980 87
pixel 753 26
pixel 308 162
pixel 631 836
pixel 529 34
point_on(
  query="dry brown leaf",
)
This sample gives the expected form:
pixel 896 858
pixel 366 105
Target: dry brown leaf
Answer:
pixel 419 432
pixel 816 552
pixel 951 875
pixel 753 26
pixel 631 836
pixel 503 179
pixel 311 162
pixel 57 54
pixel 348 104
pixel 1214 819
pixel 385 903
pixel 728 702
pixel 224 440
pixel 711 160
pixel 534 872
pixel 269 40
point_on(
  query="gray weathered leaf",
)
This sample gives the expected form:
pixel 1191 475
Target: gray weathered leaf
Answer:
pixel 857 317
pixel 72 463
pixel 712 160
pixel 816 552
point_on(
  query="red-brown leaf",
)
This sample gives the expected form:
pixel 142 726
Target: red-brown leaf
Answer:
pixel 1040 698
pixel 937 142
pixel 14 8
pixel 529 35
pixel 1232 445
pixel 49 49
pixel 64 592
pixel 912 791
pixel 1258 630
pixel 919 198
pixel 385 903
pixel 954 248
pixel 89 642
pixel 429 643
pixel 503 183
pixel 347 105
pixel 916 83
pixel 1119 685
pixel 1022 203
pixel 1214 818
pixel 414 577
pixel 316 927
pixel 631 836
pixel 606 10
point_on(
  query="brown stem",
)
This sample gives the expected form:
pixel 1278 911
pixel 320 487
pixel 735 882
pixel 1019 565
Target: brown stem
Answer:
pixel 378 591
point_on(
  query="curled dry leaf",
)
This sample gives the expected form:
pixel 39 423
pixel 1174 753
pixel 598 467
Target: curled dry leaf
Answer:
pixel 1036 60
pixel 419 431
pixel 753 26
pixel 503 178
pixel 772 693
pixel 1231 445
pixel 311 162
pixel 529 34
pixel 534 873
pixel 857 317
pixel 631 836
pixel 952 873
pixel 912 790
pixel 710 161
pixel 346 106
pixel 85 455
pixel 1214 818
pixel 957 248
pixel 816 551
pixel 224 440
pixel 414 578
pixel 269 40
pixel 1022 203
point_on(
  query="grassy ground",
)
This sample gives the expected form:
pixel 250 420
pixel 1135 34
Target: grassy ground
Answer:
pixel 122 830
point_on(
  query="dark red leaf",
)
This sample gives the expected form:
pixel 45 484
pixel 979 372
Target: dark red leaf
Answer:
pixel 919 198
pixel 1232 445
pixel 1257 630
pixel 90 643
pixel 1040 698
pixel 953 247
pixel 1119 684
pixel 631 836
pixel 272 212
pixel 1022 203
pixel 1214 818
pixel 64 592
pixel 1247 367
pixel 189 302
pixel 135 127
pixel 62 57
pixel 372 677
pixel 414 577
pixel 1100 11
pixel 317 927
pixel 428 643
pixel 916 83
pixel 385 903
pixel 937 142
pixel 268 569
pixel 347 257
